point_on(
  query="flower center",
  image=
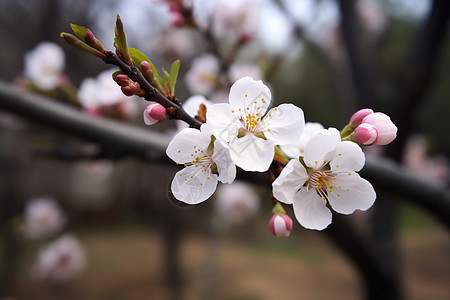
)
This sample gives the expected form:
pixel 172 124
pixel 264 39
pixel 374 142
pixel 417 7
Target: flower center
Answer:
pixel 251 122
pixel 319 180
pixel 204 162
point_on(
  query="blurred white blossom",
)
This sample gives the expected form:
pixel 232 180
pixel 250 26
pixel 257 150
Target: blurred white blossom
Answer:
pixel 235 19
pixel 417 159
pixel 43 217
pixel 100 95
pixel 44 65
pixel 203 76
pixel 236 202
pixel 61 260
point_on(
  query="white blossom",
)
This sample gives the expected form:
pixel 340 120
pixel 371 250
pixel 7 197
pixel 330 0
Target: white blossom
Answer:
pixel 206 162
pixel 247 130
pixel 44 64
pixel 61 260
pixel 326 174
pixel 43 217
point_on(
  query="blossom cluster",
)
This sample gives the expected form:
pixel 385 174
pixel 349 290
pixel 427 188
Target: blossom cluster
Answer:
pixel 250 134
pixel 62 259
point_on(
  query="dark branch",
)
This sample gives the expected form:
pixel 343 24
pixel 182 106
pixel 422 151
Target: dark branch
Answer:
pixel 386 173
pixel 151 93
pixel 147 144
pixel 130 139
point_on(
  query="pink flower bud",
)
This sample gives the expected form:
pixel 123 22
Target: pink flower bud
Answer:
pixel 127 90
pixel 145 67
pixel 280 225
pixel 154 113
pixel 387 131
pixel 90 39
pixel 366 134
pixel 122 80
pixel 358 116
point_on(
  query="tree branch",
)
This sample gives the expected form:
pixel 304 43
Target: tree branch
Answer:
pixel 130 140
pixel 388 174
pixel 147 144
pixel 151 93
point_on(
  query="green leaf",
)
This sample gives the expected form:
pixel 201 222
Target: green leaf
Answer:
pixel 173 75
pixel 166 75
pixel 138 57
pixel 80 31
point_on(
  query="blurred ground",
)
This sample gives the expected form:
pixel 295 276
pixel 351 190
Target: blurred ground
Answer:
pixel 126 262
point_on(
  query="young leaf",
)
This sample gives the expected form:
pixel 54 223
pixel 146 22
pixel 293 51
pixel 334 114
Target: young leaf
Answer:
pixel 166 75
pixel 121 40
pixel 138 57
pixel 74 41
pixel 80 31
pixel 173 75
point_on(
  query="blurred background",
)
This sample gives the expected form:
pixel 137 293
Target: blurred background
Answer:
pixel 84 220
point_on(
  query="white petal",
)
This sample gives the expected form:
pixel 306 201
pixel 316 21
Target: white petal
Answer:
pixel 246 91
pixel 310 210
pixel 290 180
pixel 283 124
pixel 351 192
pixel 192 186
pixel 225 165
pixel 251 153
pixel 296 149
pixel 348 157
pixel 222 122
pixel 187 145
pixel 320 146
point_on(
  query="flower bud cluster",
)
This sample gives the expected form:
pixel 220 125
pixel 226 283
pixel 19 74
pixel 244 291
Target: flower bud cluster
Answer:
pixel 370 128
pixel 128 86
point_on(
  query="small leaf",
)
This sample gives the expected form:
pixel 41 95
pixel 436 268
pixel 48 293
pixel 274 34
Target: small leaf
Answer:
pixel 121 40
pixel 80 31
pixel 173 75
pixel 74 41
pixel 166 75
